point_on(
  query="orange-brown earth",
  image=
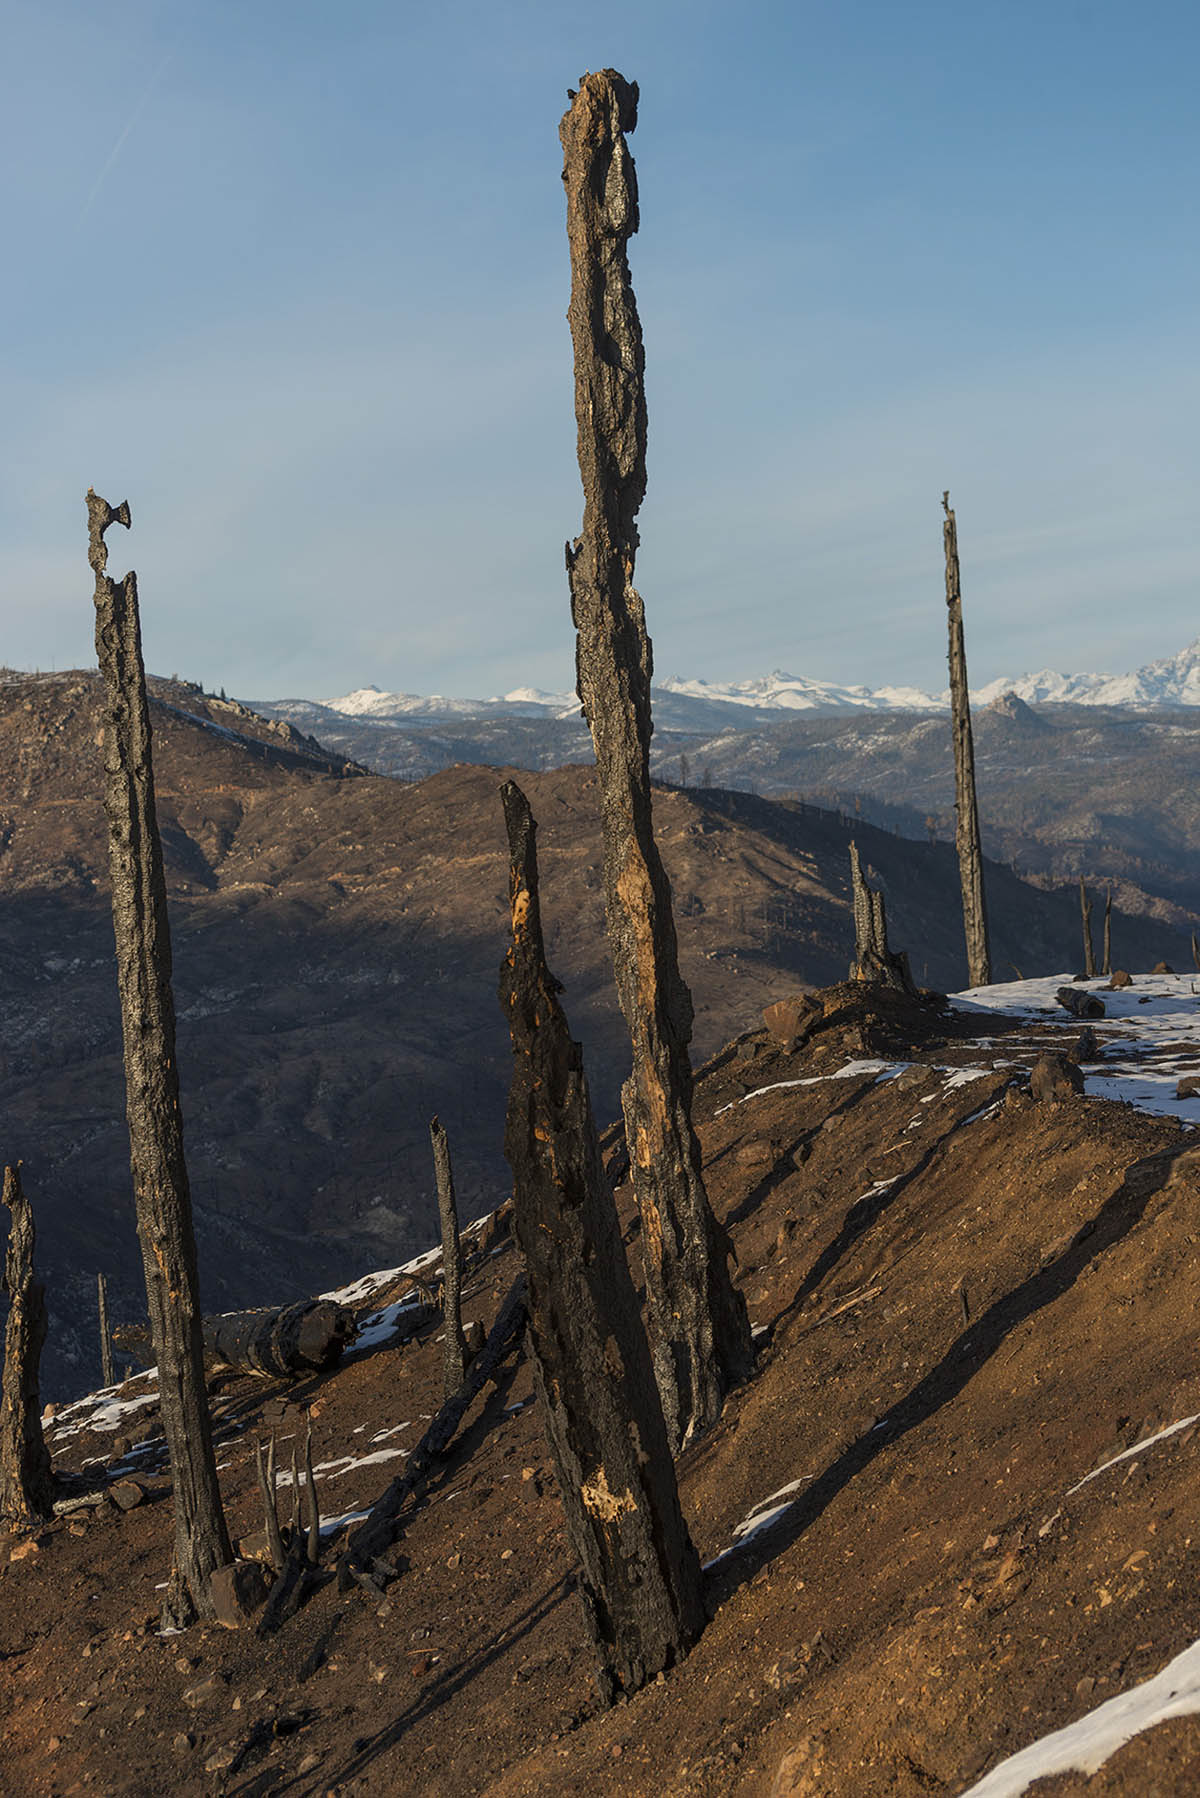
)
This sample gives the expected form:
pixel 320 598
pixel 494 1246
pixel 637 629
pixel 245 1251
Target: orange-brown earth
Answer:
pixel 969 1300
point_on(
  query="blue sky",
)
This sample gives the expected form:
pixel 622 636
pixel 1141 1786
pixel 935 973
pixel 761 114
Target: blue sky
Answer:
pixel 293 280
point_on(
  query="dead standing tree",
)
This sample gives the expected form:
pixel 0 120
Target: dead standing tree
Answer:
pixel 641 1580
pixel 1085 914
pixel 26 1482
pixel 966 831
pixel 160 1182
pixel 454 1352
pixel 700 1329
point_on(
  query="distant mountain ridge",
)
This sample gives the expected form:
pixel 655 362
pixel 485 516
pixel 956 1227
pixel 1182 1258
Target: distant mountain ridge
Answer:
pixel 703 705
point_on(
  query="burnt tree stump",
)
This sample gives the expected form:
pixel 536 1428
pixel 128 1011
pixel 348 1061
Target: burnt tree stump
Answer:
pixel 1107 967
pixel 26 1482
pixel 454 1351
pixel 873 959
pixel 641 1580
pixel 966 830
pixel 160 1183
pixel 700 1329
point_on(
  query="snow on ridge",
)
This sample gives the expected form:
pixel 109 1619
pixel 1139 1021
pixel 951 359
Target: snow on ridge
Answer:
pixel 1172 680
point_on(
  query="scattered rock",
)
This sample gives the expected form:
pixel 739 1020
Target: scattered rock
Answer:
pixel 1053 1078
pixel 23 1550
pixel 475 1336
pixel 789 1021
pixel 1188 1087
pixel 205 1691
pixel 238 1591
pixel 184 1742
pixel 127 1495
pixel 1088 1046
pixel 221 1759
pixel 1120 978
pixel 1162 967
pixel 754 1154
pixel 308 1763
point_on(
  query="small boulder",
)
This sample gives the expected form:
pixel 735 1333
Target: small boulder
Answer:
pixel 127 1495
pixel 1162 967
pixel 790 1021
pixel 205 1691
pixel 1119 978
pixel 1189 1087
pixel 1054 1078
pixel 238 1591
pixel 1088 1046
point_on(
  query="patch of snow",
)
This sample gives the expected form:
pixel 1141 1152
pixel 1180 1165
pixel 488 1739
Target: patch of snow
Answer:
pixel 1172 1429
pixel 343 1464
pixel 763 1515
pixel 381 1326
pixel 332 1525
pixel 1084 1746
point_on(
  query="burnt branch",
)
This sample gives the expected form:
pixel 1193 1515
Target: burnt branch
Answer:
pixel 160 1183
pixel 699 1324
pixel 365 1556
pixel 641 1583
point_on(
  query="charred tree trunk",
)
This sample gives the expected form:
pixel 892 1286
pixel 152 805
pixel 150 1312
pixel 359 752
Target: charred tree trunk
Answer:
pixel 107 1374
pixel 454 1353
pixel 966 831
pixel 701 1333
pixel 1107 968
pixel 1089 952
pixel 1196 950
pixel 160 1182
pixel 873 960
pixel 26 1482
pixel 641 1581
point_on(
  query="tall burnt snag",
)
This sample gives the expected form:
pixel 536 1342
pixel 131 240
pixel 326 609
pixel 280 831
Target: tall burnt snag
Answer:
pixel 966 829
pixel 160 1182
pixel 641 1580
pixel 26 1482
pixel 699 1324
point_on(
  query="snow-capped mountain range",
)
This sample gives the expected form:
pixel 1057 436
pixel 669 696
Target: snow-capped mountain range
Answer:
pixel 698 704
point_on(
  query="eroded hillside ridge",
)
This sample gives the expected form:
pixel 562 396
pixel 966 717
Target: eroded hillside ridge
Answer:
pixel 336 942
pixel 951 1512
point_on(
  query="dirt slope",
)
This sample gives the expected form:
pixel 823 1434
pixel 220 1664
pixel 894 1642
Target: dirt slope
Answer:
pixel 337 939
pixel 969 1302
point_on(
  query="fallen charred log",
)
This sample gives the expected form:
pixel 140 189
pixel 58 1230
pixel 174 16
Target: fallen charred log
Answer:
pixel 297 1339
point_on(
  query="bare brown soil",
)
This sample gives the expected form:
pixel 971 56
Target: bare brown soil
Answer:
pixel 969 1301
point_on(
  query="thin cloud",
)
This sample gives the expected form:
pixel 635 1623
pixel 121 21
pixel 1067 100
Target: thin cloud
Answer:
pixel 136 114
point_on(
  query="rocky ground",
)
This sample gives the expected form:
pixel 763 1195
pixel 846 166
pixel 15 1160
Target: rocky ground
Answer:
pixel 953 1510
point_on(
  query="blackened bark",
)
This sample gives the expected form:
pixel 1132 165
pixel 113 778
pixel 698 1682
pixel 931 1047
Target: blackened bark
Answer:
pixel 700 1329
pixel 106 1355
pixel 1107 967
pixel 873 959
pixel 641 1582
pixel 966 830
pixel 454 1351
pixel 1085 911
pixel 26 1482
pixel 160 1182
